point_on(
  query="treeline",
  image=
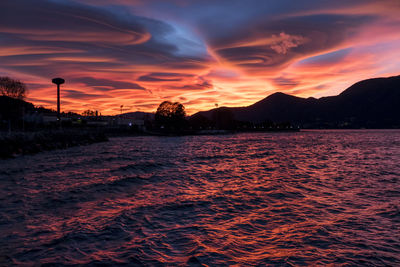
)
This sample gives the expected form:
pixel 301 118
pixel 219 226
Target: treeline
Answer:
pixel 17 114
pixel 224 119
pixel 171 118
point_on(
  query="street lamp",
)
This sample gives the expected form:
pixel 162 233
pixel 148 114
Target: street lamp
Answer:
pixel 58 81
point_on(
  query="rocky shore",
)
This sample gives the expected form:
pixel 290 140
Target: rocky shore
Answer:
pixel 21 143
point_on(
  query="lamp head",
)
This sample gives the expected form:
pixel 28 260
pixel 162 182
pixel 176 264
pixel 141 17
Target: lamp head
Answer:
pixel 58 81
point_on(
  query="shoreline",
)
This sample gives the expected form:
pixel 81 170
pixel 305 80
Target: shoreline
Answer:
pixel 26 143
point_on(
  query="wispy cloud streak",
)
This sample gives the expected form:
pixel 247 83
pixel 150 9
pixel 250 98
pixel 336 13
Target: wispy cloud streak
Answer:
pixel 139 53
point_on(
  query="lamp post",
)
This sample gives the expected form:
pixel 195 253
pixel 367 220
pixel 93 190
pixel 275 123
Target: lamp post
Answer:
pixel 58 81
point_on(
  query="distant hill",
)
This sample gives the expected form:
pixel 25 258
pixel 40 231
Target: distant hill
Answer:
pixel 138 115
pixel 372 103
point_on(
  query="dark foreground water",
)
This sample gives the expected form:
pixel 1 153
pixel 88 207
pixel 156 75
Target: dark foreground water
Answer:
pixel 304 198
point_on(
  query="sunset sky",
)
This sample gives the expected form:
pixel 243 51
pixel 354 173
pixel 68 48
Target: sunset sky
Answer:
pixel 138 53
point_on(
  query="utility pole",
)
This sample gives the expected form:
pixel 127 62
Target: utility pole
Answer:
pixel 58 81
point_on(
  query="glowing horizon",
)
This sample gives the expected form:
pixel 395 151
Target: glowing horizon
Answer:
pixel 140 53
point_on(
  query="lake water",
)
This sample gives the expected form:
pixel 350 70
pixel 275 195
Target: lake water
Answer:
pixel 311 197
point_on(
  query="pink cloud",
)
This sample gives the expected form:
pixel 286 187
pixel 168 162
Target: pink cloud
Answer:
pixel 283 42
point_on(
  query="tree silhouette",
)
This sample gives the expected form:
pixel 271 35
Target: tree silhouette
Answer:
pixel 89 112
pixel 170 115
pixel 12 88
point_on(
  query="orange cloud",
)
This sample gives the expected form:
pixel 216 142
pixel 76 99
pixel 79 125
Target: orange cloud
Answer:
pixel 114 55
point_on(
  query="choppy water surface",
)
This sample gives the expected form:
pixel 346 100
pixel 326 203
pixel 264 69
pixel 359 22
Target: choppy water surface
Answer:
pixel 314 197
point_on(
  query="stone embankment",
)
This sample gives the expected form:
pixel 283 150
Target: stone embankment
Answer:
pixel 21 143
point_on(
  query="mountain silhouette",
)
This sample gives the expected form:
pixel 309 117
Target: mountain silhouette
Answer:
pixel 138 115
pixel 372 103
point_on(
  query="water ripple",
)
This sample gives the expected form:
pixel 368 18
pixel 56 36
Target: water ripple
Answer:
pixel 308 198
